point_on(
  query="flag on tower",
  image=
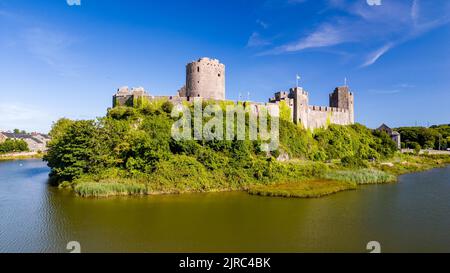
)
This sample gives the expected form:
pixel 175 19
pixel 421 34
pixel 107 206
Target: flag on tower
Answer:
pixel 298 78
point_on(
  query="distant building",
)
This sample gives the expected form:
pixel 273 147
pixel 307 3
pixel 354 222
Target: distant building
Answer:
pixel 2 137
pixel 36 141
pixel 395 136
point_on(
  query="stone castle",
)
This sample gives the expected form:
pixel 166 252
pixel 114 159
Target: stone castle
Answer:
pixel 340 110
pixel 205 78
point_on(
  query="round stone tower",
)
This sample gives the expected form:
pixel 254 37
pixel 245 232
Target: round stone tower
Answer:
pixel 205 78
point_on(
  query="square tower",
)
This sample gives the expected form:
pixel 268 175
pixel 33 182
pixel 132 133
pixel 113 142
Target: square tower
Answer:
pixel 301 105
pixel 342 98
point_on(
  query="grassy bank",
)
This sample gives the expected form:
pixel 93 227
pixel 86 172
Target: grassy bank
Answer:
pixel 407 163
pixel 21 157
pixel 131 151
pixel 302 189
pixel 93 189
pixel 361 177
pixel 184 174
pixel 332 181
pixel 303 179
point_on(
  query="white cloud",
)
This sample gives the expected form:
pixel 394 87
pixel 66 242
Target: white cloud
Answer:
pixel 18 115
pixel 256 40
pixel 51 47
pixel 296 1
pixel 373 2
pixel 385 92
pixel 262 24
pixel 374 56
pixel 379 28
pixel 325 36
pixel 73 2
pixel 7 15
pixel 405 85
pixel 396 89
pixel 415 11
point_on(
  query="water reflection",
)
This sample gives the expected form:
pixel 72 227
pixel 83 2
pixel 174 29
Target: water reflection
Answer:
pixel 413 215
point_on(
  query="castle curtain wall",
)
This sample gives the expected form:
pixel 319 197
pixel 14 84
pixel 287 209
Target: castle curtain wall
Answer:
pixel 321 116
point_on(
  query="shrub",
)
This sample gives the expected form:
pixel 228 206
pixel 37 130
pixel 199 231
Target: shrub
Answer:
pixel 96 189
pixel 182 173
pixel 364 176
pixel 302 189
pixel 353 162
pixel 135 144
pixel 211 160
pixel 13 145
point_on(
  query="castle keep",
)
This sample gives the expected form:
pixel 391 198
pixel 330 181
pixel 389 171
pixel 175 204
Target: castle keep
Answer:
pixel 205 78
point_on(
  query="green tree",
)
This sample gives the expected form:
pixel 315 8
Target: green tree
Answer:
pixel 72 154
pixel 13 145
pixel 136 142
pixel 59 128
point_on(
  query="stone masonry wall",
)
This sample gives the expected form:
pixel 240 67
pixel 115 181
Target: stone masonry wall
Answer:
pixel 321 116
pixel 205 78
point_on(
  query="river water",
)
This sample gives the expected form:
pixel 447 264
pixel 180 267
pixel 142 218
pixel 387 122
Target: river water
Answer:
pixel 410 216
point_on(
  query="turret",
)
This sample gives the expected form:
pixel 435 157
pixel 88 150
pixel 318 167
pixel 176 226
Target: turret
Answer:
pixel 301 105
pixel 205 78
pixel 342 98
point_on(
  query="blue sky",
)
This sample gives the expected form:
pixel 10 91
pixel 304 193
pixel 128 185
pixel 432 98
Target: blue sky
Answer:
pixel 60 60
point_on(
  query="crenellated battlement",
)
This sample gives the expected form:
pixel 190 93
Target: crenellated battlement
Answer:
pixel 205 78
pixel 327 109
pixel 340 110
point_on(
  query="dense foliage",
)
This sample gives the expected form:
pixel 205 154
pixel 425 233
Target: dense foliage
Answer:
pixel 18 131
pixel 13 145
pixel 434 137
pixel 135 145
